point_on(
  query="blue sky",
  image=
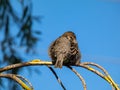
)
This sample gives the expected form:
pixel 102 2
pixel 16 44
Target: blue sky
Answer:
pixel 97 27
pixel 96 24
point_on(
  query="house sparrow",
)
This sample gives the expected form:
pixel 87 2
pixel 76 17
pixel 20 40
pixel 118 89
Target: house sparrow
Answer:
pixel 64 50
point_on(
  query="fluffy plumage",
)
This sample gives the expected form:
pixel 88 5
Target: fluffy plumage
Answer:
pixel 64 50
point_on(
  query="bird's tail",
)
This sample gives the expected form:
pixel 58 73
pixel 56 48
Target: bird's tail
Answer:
pixel 59 61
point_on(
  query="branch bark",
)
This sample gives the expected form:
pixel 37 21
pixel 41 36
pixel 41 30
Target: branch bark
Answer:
pixel 58 79
pixel 15 78
pixel 80 77
pixel 85 65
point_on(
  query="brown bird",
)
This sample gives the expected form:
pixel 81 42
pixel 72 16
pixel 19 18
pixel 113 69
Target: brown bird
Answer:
pixel 64 50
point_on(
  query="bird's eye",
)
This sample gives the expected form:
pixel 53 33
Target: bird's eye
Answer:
pixel 71 38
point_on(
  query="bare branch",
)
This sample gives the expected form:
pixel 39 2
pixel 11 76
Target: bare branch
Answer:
pixel 58 79
pixel 18 65
pixel 105 72
pixel 107 78
pixel 98 66
pixel 25 81
pixel 80 77
pixel 15 78
pixel 35 62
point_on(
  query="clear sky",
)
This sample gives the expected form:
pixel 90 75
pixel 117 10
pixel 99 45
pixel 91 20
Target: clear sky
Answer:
pixel 96 24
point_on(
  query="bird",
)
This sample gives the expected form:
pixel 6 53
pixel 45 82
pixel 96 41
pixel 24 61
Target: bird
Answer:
pixel 64 50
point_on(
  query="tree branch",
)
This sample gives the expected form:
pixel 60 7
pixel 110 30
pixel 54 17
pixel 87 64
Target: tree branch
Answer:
pixel 101 68
pixel 18 65
pixel 15 78
pixel 80 77
pixel 98 66
pixel 85 65
pixel 58 79
pixel 25 81
pixel 106 78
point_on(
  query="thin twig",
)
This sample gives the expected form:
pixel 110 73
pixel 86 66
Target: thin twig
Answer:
pixel 25 81
pixel 80 77
pixel 98 66
pixel 58 79
pixel 91 69
pixel 107 78
pixel 18 65
pixel 15 78
pixel 105 72
pixel 39 62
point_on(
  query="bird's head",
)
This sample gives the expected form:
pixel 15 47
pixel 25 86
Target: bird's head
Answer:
pixel 70 36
